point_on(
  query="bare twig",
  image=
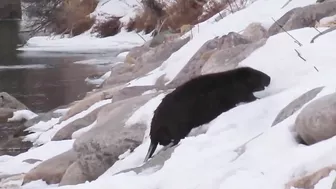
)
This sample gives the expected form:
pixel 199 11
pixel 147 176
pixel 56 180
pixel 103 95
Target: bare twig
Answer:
pixel 317 29
pixel 141 37
pixel 230 6
pixel 295 40
pixel 286 4
pixel 322 33
pixel 298 53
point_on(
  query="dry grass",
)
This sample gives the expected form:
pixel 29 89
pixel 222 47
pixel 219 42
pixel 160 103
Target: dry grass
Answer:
pixel 177 14
pixel 75 15
pixel 108 28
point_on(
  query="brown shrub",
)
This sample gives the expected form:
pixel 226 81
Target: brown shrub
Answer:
pixel 82 25
pixel 75 15
pixel 60 16
pixel 178 13
pixel 108 28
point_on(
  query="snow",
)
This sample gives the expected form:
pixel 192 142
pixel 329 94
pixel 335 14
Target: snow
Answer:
pixel 62 111
pixel 326 182
pixel 120 8
pixel 100 80
pixel 145 113
pixel 50 128
pixel 239 149
pixel 236 22
pixel 85 43
pixel 81 131
pixel 123 54
pixel 15 165
pixel 22 114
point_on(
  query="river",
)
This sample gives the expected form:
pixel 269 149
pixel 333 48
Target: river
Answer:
pixel 44 81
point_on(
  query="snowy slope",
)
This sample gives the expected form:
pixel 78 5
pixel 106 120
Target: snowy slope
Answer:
pixel 240 148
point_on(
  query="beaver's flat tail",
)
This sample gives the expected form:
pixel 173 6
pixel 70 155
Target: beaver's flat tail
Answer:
pixel 151 150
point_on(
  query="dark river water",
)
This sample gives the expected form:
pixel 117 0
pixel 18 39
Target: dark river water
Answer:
pixel 43 81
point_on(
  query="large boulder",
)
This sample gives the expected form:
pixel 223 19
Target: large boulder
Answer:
pixel 66 132
pixel 255 32
pixel 110 121
pixel 89 167
pixel 145 62
pixel 8 101
pixel 227 59
pixel 156 162
pixel 89 101
pixel 296 104
pixel 302 17
pixel 100 147
pixel 52 170
pixel 5 114
pixel 316 122
pixel 194 66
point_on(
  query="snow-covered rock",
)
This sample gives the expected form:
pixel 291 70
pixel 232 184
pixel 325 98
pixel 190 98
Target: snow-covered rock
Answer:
pixel 316 121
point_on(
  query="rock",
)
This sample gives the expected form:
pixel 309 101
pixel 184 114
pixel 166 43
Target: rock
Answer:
pixel 67 131
pixel 156 162
pixel 108 130
pixel 52 170
pixel 227 59
pixel 146 62
pixel 316 121
pixel 255 31
pixel 194 66
pixel 31 161
pixel 90 167
pixel 311 180
pixel 135 53
pixel 100 147
pixel 89 101
pixel 328 21
pixel 11 181
pixel 296 104
pixel 6 113
pixel 42 117
pixel 303 17
pixel 8 101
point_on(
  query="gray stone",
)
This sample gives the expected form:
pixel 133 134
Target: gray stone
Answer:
pixel 317 121
pixel 110 122
pixel 227 59
pixel 89 100
pixel 303 17
pixel 52 170
pixel 255 32
pixel 89 167
pixel 5 114
pixel 157 162
pixel 66 132
pixel 194 66
pixel 145 62
pixel 8 101
pixel 296 104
